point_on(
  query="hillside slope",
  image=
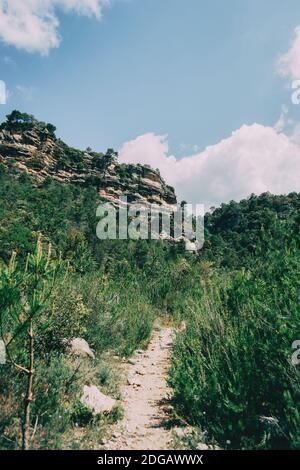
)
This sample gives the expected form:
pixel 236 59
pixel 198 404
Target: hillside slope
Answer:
pixel 30 146
pixel 232 374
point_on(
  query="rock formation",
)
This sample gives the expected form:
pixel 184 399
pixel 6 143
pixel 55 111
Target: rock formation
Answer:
pixel 32 148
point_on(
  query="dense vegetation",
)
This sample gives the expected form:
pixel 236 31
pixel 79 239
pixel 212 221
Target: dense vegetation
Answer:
pixel 17 120
pixel 232 374
pixel 108 292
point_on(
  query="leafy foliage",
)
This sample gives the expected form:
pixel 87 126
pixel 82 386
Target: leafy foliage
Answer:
pixel 17 120
pixel 231 374
pixel 237 234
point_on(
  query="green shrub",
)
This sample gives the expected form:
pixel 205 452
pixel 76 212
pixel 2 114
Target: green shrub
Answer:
pixel 121 317
pixel 65 319
pixel 232 373
pixel 81 414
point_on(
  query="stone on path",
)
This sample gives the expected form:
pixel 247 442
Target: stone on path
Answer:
pixel 96 401
pixel 80 347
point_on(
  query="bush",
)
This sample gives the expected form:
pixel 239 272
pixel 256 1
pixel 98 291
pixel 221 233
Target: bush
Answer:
pixel 66 318
pixel 122 316
pixel 232 373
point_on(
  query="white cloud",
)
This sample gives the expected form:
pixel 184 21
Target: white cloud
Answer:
pixel 295 134
pixel 254 159
pixel 282 121
pixel 33 24
pixel 25 92
pixel 289 63
pixel 8 60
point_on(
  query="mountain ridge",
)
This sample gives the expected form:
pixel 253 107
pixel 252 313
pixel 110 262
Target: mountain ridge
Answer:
pixel 31 146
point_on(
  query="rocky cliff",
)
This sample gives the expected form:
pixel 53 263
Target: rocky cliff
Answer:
pixel 27 145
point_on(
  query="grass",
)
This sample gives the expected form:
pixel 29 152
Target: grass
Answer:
pixel 115 318
pixel 232 373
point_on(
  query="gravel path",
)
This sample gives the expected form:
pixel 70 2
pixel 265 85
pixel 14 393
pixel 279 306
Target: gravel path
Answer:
pixel 144 399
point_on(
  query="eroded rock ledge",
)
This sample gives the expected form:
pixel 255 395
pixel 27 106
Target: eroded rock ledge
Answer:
pixel 35 150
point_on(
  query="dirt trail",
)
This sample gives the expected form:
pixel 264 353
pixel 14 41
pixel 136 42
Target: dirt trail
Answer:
pixel 144 399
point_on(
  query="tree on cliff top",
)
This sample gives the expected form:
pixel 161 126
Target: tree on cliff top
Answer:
pixel 19 120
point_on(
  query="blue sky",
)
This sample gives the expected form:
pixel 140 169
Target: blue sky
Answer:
pixel 194 70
